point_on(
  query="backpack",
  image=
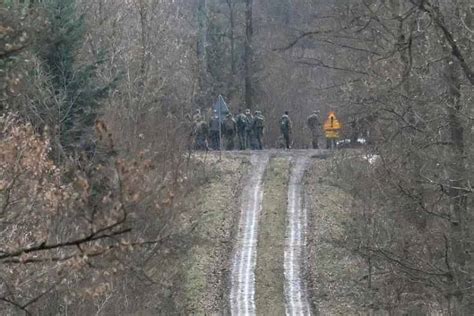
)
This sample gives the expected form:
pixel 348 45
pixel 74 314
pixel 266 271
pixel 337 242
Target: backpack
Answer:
pixel 214 124
pixel 203 128
pixel 229 125
pixel 284 124
pixel 241 121
pixel 258 121
pixel 313 122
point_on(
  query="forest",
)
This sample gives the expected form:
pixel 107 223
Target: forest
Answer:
pixel 97 170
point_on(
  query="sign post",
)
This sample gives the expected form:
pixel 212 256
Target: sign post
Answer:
pixel 221 109
pixel 332 129
pixel 220 134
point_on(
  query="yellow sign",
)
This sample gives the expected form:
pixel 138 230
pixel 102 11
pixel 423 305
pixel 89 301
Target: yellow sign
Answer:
pixel 332 126
pixel 332 134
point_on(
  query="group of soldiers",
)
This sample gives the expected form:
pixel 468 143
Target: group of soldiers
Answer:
pixel 247 128
pixel 313 123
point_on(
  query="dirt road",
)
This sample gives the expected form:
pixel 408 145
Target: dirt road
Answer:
pixel 292 242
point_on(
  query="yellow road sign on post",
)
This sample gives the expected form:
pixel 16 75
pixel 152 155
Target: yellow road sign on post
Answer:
pixel 332 126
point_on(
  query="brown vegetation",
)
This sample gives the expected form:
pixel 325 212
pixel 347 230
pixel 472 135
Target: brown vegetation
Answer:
pixel 60 222
pixel 94 98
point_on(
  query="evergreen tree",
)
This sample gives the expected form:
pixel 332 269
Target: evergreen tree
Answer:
pixel 75 82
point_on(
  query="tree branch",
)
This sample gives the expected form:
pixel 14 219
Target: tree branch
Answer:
pixel 45 247
pixel 313 33
pixel 435 14
pixel 391 257
pixel 19 306
pixel 319 63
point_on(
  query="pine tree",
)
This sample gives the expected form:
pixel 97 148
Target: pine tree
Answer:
pixel 76 83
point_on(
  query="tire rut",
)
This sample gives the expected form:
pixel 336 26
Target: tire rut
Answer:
pixel 295 288
pixel 242 297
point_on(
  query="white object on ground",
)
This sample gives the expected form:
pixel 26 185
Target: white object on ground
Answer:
pixel 372 159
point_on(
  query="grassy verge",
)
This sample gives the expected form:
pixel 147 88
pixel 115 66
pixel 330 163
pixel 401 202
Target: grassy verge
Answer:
pixel 269 271
pixel 190 272
pixel 333 272
pixel 207 265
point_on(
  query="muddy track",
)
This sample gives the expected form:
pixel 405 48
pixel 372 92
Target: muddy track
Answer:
pixel 242 294
pixel 295 240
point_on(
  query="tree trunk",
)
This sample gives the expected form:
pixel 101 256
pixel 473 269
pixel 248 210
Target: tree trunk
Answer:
pixel 248 54
pixel 459 223
pixel 201 51
pixel 142 11
pixel 230 3
pixel 231 85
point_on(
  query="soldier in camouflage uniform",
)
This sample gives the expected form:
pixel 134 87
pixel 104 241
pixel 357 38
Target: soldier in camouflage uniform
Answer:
pixel 250 136
pixel 314 125
pixel 285 128
pixel 229 130
pixel 201 132
pixel 214 128
pixel 258 127
pixel 242 123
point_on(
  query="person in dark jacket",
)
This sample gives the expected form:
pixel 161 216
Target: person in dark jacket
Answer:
pixel 229 130
pixel 285 128
pixel 314 124
pixel 214 129
pixel 242 123
pixel 258 127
